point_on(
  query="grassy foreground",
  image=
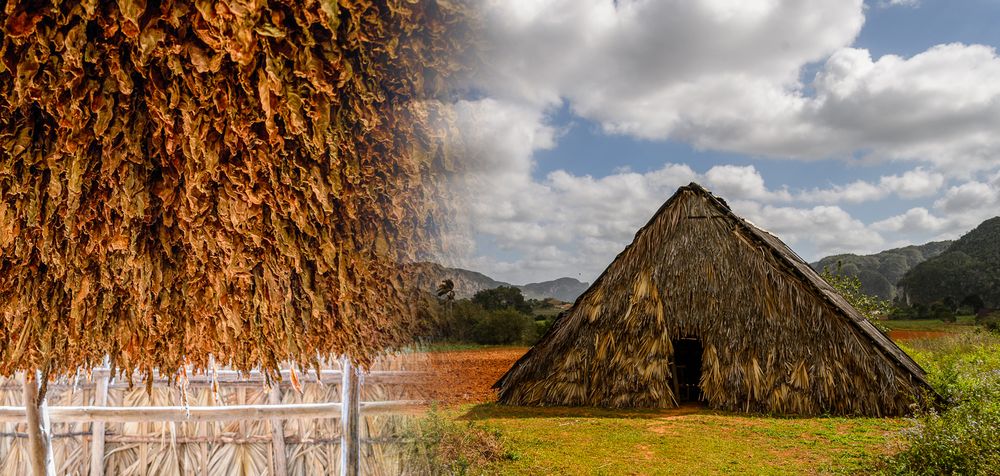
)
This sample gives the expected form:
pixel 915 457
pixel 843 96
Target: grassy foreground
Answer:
pixel 683 441
pixel 962 437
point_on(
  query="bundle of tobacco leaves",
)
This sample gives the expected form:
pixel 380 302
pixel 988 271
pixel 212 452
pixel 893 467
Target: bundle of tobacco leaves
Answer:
pixel 238 179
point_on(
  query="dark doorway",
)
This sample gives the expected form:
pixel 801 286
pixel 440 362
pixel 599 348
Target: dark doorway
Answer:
pixel 687 369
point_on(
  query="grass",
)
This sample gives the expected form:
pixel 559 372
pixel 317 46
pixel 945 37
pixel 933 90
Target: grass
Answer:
pixel 694 440
pixel 584 441
pixel 962 324
pixel 963 437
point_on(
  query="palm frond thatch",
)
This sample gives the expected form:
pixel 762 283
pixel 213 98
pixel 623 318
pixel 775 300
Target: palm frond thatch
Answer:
pixel 225 448
pixel 776 337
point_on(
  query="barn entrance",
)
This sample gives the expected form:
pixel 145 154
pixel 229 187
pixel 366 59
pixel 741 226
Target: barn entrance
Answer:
pixel 687 369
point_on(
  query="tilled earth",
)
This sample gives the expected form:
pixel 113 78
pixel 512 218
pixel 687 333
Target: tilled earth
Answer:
pixel 465 376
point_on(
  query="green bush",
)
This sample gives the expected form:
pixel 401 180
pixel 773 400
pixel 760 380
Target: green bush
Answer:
pixel 964 438
pixel 460 319
pixel 439 445
pixel 989 320
pixel 942 311
pixel 503 297
pixel 506 326
pixel 542 325
pixel 871 307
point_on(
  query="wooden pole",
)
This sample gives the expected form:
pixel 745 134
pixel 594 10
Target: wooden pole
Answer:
pixel 211 413
pixel 231 379
pixel 278 435
pixel 39 447
pixel 97 429
pixel 350 447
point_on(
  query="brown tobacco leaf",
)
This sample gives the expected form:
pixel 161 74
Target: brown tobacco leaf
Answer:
pixel 238 180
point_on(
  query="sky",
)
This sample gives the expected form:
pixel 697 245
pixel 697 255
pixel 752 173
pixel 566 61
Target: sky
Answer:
pixel 838 125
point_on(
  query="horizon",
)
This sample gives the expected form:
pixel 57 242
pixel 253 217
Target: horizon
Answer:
pixel 810 262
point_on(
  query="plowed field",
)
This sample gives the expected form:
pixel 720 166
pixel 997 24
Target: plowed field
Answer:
pixel 465 376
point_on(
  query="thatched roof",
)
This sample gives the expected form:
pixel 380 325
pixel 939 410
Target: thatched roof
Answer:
pixel 240 178
pixel 778 338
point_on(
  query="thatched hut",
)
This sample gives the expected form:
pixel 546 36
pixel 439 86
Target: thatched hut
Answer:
pixel 703 305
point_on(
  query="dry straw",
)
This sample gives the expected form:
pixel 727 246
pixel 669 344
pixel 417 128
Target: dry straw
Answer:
pixel 237 448
pixel 238 178
pixel 776 337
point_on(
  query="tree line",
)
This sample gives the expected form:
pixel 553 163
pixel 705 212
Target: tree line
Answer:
pixel 498 316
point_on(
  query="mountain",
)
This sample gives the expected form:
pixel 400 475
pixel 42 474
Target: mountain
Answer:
pixel 563 289
pixel 468 283
pixel 880 272
pixel 967 272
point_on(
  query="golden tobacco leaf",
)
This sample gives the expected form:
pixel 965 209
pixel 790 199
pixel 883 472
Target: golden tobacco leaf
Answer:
pixel 235 178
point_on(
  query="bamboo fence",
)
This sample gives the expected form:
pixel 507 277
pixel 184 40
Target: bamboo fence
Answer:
pixel 219 423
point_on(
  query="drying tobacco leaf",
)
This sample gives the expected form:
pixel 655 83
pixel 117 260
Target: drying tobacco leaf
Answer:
pixel 238 179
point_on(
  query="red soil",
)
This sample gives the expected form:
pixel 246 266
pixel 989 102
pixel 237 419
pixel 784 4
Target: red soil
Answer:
pixel 465 376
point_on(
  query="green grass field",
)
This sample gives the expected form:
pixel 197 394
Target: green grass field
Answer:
pixel 962 324
pixel 695 440
pixel 683 441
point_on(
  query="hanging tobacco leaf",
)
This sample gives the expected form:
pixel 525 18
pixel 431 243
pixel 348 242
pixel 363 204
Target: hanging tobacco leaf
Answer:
pixel 235 178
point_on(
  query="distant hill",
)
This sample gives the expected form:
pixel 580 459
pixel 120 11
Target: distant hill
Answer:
pixel 468 283
pixel 880 272
pixel 968 269
pixel 563 289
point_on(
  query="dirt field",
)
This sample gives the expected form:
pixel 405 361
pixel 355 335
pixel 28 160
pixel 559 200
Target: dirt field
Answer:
pixel 465 376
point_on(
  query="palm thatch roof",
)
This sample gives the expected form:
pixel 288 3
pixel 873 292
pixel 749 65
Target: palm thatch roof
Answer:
pixel 776 337
pixel 240 179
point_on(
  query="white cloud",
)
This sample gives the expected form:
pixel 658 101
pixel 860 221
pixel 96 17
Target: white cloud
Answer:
pixel 915 220
pixel 914 183
pixel 900 3
pixel 911 184
pixel 968 196
pixel 960 208
pixel 858 191
pixel 726 75
pixel 742 182
pixel 823 229
pixel 721 75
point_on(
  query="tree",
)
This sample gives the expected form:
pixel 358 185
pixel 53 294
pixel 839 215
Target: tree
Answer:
pixel 505 326
pixel 871 307
pixel 446 290
pixel 503 297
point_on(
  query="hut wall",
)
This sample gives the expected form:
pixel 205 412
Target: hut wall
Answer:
pixel 770 343
pixel 215 448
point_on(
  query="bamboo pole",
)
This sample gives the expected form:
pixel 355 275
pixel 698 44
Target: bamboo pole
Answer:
pixel 97 429
pixel 350 448
pixel 232 378
pixel 210 413
pixel 39 447
pixel 216 439
pixel 278 435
